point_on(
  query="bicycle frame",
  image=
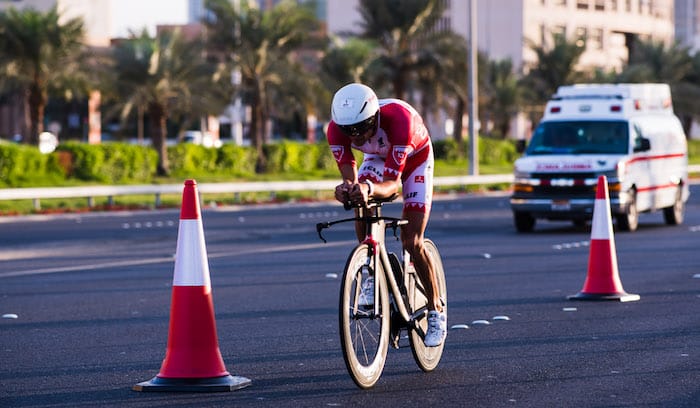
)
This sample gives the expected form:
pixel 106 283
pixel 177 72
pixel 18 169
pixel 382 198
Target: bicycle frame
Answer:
pixel 375 232
pixel 367 331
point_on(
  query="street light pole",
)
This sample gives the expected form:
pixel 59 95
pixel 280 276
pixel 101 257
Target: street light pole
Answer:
pixel 473 93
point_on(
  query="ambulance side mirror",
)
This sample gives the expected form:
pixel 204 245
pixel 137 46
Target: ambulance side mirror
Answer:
pixel 642 145
pixel 520 145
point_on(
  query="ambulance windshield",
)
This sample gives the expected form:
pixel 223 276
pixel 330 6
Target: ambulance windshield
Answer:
pixel 580 137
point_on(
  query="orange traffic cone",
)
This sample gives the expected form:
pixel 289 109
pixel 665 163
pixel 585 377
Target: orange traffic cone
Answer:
pixel 603 280
pixel 192 361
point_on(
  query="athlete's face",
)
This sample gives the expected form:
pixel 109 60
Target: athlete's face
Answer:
pixel 359 133
pixel 361 138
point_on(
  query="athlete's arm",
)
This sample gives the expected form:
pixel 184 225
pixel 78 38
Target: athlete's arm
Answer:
pixel 348 172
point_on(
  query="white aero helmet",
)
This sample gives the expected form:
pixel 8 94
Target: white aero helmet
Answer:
pixel 354 108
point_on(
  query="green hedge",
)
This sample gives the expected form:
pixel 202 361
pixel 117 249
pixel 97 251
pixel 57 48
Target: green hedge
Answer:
pixel 119 163
pixel 23 166
pixel 112 163
pixel 491 151
pixel 300 158
pixel 694 151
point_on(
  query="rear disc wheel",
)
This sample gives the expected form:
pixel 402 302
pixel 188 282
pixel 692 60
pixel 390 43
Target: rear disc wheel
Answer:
pixel 426 357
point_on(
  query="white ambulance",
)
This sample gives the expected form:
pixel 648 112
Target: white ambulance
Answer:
pixel 627 132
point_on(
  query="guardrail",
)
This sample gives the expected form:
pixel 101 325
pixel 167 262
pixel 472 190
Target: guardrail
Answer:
pixel 157 190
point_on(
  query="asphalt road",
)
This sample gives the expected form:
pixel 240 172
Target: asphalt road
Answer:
pixel 85 301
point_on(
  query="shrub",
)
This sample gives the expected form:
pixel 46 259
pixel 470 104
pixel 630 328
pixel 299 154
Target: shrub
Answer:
pixel 111 163
pixel 236 161
pixel 190 160
pixel 86 161
pixel 448 150
pixel 495 151
pixel 22 166
pixel 324 158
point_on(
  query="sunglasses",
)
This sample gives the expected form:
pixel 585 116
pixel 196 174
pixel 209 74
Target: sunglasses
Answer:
pixel 359 128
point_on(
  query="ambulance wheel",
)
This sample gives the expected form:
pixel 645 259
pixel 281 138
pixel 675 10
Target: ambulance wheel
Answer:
pixel 524 222
pixel 629 221
pixel 580 223
pixel 673 215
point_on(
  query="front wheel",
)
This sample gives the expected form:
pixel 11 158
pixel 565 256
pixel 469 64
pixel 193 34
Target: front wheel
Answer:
pixel 364 333
pixel 427 358
pixel 524 222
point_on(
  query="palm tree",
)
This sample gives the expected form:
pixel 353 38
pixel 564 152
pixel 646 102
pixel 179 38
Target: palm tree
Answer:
pixel 686 95
pixel 346 62
pixel 442 80
pixel 654 61
pixel 40 55
pixel 262 46
pixel 166 77
pixel 406 32
pixel 416 56
pixel 554 67
pixel 503 94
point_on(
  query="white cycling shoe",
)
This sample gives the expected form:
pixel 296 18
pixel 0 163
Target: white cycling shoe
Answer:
pixel 437 329
pixel 367 293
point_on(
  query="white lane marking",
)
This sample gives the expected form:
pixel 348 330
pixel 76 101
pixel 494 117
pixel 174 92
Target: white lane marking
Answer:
pixel 148 224
pixel 150 261
pixel 570 245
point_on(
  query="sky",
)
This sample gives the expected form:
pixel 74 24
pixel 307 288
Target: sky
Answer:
pixel 136 14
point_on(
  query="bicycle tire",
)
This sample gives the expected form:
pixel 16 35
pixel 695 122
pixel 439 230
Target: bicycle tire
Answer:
pixel 364 338
pixel 427 358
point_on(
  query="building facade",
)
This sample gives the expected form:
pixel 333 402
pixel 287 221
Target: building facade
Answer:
pixel 687 19
pixel 509 29
pixel 96 14
pixel 506 28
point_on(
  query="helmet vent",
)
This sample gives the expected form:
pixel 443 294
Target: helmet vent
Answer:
pixel 364 105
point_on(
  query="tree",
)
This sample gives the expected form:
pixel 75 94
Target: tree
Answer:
pixel 503 93
pixel 689 93
pixel 442 80
pixel 40 56
pixel 262 45
pixel 417 56
pixel 553 67
pixel 346 62
pixel 406 32
pixel 654 61
pixel 166 77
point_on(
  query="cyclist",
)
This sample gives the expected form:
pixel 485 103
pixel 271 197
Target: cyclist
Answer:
pixel 397 154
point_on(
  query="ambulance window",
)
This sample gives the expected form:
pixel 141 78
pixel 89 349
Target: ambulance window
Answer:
pixel 637 133
pixel 641 143
pixel 580 137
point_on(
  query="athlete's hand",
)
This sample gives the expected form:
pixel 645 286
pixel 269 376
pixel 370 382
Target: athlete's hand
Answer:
pixel 342 192
pixel 359 194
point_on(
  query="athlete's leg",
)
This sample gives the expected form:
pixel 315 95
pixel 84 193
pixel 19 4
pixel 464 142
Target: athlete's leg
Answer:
pixel 412 235
pixel 418 196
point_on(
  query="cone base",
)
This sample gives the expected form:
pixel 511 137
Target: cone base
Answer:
pixel 621 297
pixel 215 384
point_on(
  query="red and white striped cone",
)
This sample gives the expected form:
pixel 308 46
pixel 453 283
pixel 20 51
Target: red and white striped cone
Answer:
pixel 603 279
pixel 193 361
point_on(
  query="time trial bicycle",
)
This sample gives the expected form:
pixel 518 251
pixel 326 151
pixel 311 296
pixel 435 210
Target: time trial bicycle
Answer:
pixel 400 301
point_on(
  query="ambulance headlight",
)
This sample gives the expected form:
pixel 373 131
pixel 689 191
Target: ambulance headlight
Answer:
pixel 522 182
pixel 520 175
pixel 613 181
